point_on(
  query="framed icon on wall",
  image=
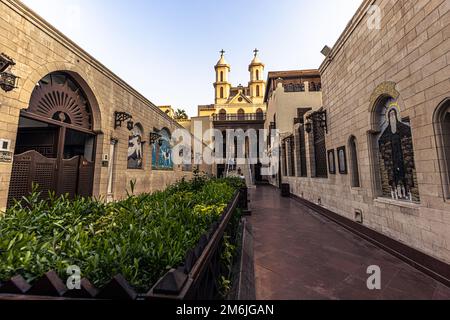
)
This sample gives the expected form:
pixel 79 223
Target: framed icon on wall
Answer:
pixel 342 160
pixel 331 162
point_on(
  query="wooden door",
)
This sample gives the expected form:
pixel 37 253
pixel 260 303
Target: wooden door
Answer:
pixel 28 168
pixel 85 177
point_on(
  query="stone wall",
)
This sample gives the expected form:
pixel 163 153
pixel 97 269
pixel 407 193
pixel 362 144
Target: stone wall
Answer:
pixel 38 49
pixel 409 60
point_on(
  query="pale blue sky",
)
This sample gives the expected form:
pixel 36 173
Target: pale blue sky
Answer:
pixel 167 49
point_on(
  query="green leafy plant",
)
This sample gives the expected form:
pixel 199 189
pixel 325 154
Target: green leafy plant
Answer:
pixel 141 237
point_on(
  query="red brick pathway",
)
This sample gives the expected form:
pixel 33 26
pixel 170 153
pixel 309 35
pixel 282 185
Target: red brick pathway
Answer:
pixel 300 255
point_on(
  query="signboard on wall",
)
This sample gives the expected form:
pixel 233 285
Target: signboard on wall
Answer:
pixel 6 156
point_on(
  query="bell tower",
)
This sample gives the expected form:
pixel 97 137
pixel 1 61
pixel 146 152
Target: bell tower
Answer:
pixel 257 83
pixel 222 86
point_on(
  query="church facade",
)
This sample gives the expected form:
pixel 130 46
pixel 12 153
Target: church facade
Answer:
pixel 234 108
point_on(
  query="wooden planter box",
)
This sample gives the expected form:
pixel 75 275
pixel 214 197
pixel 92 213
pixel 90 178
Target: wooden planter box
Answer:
pixel 191 280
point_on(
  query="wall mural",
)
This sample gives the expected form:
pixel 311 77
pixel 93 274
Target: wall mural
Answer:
pixel 135 149
pixel 162 152
pixel 398 171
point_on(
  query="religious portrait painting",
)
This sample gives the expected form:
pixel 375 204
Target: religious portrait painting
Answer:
pixel 135 149
pixel 398 172
pixel 162 152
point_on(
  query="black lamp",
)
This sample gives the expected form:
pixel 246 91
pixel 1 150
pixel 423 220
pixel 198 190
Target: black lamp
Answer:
pixel 322 118
pixel 308 126
pixel 8 81
pixel 154 137
pixel 130 125
pixel 120 117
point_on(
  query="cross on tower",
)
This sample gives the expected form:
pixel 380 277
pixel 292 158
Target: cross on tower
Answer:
pixel 222 52
pixel 256 52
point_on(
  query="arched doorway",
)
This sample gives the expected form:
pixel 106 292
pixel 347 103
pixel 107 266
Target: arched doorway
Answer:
pixel 55 147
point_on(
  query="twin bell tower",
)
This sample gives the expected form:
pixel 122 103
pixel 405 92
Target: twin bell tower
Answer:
pixel 256 87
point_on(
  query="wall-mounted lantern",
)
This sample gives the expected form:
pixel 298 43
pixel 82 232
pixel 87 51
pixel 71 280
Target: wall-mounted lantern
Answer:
pixel 8 81
pixel 120 117
pixel 155 137
pixel 320 117
pixel 130 125
pixel 308 126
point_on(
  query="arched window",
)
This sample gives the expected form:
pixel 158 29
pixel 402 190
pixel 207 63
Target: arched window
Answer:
pixel 320 150
pixel 221 76
pixel 241 114
pixel 284 159
pixel 354 165
pixel 259 114
pixel 291 156
pixel 225 151
pixel 222 115
pixel 258 93
pixel 395 153
pixel 442 132
pixel 257 74
pixel 302 152
pixel 221 93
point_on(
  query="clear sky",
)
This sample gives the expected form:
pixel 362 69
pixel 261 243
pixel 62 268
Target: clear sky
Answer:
pixel 167 49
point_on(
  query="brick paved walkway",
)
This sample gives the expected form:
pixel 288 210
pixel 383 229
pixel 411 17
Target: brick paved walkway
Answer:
pixel 300 255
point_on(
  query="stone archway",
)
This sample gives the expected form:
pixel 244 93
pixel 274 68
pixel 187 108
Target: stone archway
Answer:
pixel 55 145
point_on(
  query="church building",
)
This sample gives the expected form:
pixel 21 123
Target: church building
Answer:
pixel 234 108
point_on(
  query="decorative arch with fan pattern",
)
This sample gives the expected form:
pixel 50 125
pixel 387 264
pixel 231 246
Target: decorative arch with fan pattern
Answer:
pixel 58 97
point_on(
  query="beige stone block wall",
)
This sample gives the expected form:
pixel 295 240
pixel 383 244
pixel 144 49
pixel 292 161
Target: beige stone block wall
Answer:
pixel 39 49
pixel 412 50
pixel 285 104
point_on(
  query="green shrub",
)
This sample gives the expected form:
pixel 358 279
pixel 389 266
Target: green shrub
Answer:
pixel 140 237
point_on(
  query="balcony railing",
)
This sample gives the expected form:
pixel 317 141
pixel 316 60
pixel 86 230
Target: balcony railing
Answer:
pixel 240 117
pixel 300 87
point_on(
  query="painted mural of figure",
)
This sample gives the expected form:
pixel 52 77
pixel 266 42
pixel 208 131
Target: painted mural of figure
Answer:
pixel 162 153
pixel 397 158
pixel 135 150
